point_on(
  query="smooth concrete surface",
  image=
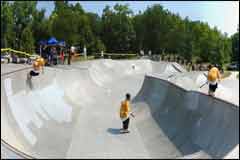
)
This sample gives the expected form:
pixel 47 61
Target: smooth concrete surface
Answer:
pixel 73 112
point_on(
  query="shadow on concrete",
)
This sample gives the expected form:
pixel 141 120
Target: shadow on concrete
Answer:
pixel 114 131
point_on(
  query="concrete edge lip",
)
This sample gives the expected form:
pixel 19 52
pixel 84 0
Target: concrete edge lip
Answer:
pixel 16 151
pixel 217 98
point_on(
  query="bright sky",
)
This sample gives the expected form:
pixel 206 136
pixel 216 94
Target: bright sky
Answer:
pixel 223 14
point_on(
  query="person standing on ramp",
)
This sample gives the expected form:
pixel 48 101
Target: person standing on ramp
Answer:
pixel 34 72
pixel 214 77
pixel 125 112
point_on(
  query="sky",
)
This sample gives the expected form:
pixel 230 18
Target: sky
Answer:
pixel 222 14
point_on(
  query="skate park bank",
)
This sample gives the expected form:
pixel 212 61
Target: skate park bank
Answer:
pixel 72 112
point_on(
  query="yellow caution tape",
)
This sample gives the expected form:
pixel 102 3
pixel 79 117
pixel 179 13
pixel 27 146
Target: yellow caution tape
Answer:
pixel 15 51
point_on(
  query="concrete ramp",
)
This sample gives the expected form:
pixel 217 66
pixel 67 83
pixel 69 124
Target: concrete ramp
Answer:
pixel 73 112
pixel 188 123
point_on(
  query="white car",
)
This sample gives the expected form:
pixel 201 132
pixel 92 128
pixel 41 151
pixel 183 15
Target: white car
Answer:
pixel 6 58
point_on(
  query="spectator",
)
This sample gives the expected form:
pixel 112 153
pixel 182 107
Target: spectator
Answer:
pixel 62 56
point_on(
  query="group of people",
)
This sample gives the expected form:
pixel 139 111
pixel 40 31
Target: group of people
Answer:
pixel 55 56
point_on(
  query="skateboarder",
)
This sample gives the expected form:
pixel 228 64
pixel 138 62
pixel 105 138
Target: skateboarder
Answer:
pixel 125 112
pixel 35 71
pixel 41 62
pixel 213 77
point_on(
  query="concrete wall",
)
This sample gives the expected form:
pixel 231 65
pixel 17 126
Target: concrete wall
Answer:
pixel 191 120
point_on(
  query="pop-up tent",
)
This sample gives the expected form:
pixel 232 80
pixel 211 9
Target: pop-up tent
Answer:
pixel 52 41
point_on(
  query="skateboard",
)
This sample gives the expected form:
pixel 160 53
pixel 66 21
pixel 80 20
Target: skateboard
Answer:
pixel 122 131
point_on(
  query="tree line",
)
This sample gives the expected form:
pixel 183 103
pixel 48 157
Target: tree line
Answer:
pixel 118 30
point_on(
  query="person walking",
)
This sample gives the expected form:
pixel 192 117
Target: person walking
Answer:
pixel 70 54
pixel 125 113
pixel 50 52
pixel 69 58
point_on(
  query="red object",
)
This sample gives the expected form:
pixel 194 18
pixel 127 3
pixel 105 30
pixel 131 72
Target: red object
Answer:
pixel 62 56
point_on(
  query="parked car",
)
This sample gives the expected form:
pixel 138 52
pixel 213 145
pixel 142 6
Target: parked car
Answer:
pixel 23 60
pixel 5 58
pixel 233 66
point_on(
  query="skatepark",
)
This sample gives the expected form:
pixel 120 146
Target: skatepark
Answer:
pixel 73 112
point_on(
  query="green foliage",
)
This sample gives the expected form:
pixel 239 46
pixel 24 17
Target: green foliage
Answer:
pixel 235 47
pixel 160 31
pixel 27 41
pixel 7 25
pixel 116 31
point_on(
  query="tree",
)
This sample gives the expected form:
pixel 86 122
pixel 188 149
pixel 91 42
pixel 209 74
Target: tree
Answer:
pixel 27 40
pixel 118 32
pixel 95 23
pixel 7 25
pixel 235 46
pixel 23 15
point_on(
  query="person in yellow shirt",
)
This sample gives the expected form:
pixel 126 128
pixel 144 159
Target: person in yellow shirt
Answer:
pixel 41 62
pixel 35 70
pixel 214 77
pixel 125 112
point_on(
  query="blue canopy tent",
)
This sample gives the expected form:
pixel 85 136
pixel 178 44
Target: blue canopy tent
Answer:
pixel 52 41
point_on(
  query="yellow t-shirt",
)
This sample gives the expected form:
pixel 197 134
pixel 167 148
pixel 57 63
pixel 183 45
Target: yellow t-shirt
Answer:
pixel 125 109
pixel 41 61
pixel 213 74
